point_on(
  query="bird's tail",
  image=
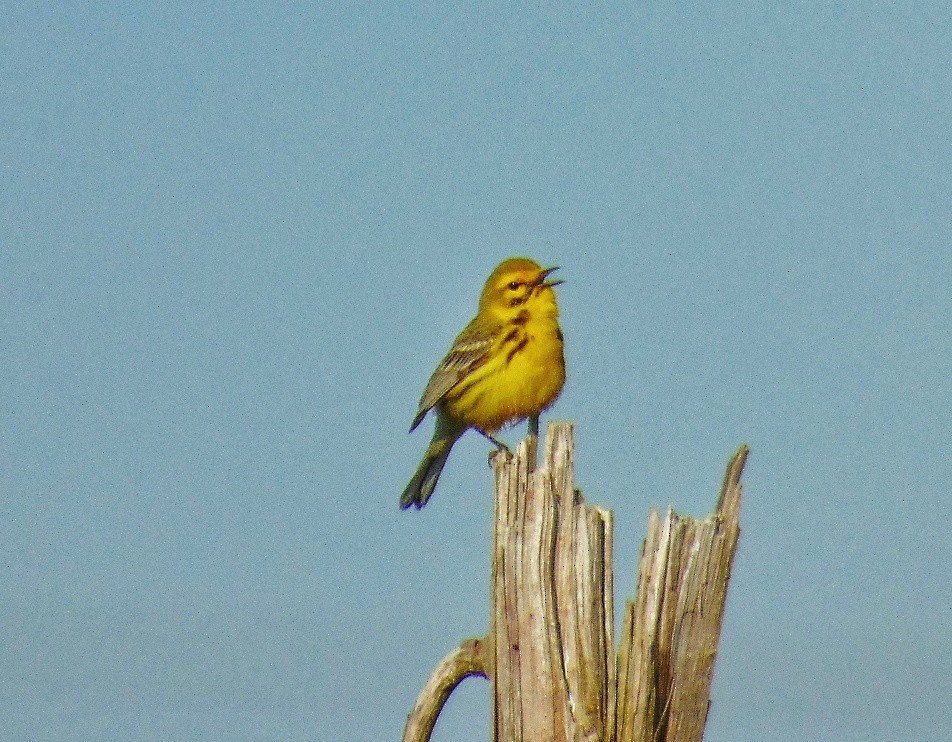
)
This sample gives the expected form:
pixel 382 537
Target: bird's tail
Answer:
pixel 424 481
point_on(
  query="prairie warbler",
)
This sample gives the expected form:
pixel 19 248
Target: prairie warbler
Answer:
pixel 506 366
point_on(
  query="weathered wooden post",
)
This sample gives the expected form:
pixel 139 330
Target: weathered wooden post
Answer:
pixel 550 653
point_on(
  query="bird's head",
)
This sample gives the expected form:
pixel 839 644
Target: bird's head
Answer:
pixel 515 283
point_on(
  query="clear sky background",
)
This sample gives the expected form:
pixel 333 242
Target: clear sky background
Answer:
pixel 237 238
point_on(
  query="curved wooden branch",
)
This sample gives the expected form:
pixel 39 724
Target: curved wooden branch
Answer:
pixel 469 658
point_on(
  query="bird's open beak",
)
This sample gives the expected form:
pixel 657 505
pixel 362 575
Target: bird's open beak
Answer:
pixel 545 275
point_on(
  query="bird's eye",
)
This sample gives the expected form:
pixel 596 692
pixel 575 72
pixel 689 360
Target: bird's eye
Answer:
pixel 513 285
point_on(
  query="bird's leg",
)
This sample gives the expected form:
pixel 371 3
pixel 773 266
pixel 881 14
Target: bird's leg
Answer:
pixel 534 426
pixel 495 441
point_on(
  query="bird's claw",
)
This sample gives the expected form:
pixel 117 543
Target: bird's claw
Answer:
pixel 501 450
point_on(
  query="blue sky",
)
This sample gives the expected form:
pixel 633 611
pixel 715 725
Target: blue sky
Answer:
pixel 237 239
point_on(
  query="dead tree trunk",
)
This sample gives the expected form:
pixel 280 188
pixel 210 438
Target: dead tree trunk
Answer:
pixel 550 653
pixel 671 630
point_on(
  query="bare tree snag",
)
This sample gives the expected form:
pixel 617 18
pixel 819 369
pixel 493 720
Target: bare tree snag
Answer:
pixel 551 603
pixel 670 634
pixel 550 653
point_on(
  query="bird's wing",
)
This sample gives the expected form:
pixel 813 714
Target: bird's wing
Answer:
pixel 470 350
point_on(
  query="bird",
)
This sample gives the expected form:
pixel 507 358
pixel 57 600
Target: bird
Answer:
pixel 507 365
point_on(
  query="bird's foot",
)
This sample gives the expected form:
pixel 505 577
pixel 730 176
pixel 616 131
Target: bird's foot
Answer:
pixel 495 441
pixel 501 448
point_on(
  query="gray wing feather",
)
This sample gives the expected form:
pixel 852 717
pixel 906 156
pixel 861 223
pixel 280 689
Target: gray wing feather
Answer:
pixel 468 353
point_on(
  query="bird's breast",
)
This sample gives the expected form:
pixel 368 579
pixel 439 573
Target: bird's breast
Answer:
pixel 523 376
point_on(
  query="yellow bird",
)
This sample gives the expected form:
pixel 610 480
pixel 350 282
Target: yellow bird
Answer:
pixel 506 366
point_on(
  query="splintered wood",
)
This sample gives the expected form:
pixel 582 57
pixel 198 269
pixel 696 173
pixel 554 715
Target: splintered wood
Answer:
pixel 552 607
pixel 550 652
pixel 671 630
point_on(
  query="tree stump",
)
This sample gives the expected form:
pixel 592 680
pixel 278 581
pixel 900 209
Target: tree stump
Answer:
pixel 550 654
